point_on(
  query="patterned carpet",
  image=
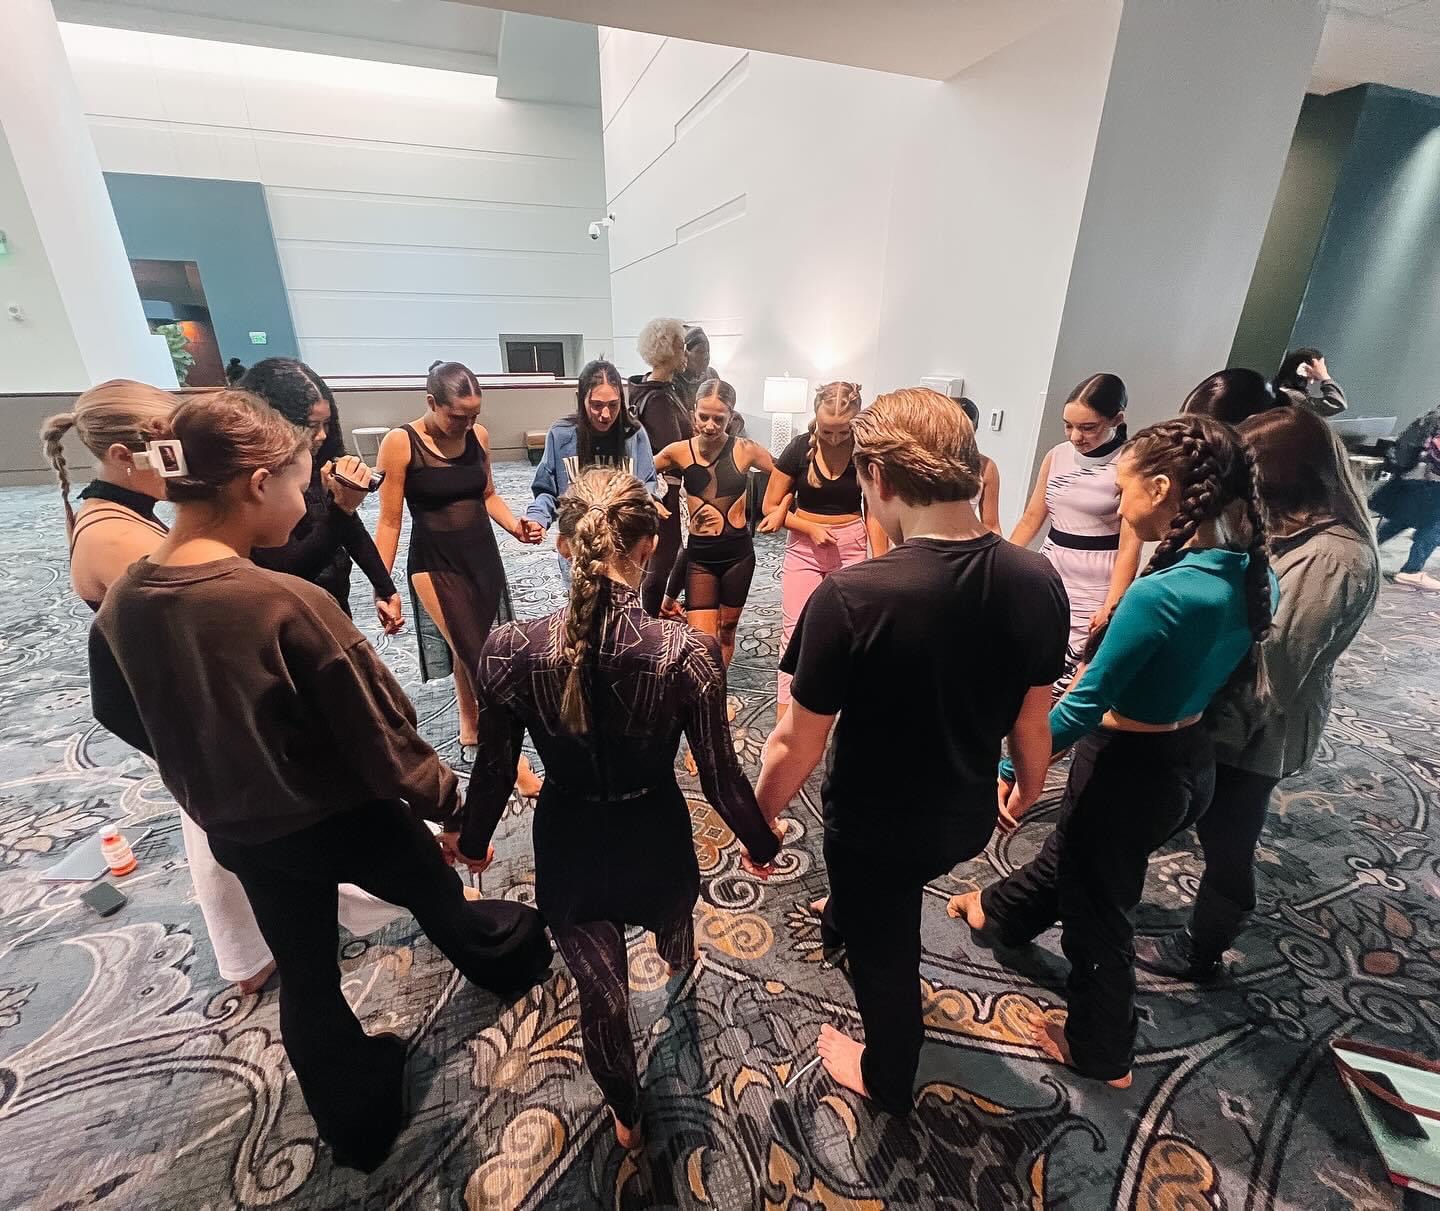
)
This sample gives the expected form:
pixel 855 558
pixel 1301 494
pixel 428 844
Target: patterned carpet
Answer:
pixel 132 1077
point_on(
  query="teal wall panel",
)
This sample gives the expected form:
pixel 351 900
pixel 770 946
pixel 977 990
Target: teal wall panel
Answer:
pixel 224 227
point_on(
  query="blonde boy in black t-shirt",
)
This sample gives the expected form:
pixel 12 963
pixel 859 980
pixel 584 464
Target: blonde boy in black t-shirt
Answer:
pixel 890 645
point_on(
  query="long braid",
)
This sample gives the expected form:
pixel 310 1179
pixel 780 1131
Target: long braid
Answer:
pixel 53 436
pixel 1199 477
pixel 602 516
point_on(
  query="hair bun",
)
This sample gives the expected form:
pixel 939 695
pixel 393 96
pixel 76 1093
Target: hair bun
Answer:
pixel 431 367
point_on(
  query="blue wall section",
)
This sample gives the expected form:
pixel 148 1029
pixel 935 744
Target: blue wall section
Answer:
pixel 224 227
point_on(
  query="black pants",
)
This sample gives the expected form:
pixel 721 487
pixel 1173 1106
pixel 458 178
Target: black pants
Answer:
pixel 1419 510
pixel 1128 793
pixel 352 1082
pixel 1229 833
pixel 875 908
pixel 667 547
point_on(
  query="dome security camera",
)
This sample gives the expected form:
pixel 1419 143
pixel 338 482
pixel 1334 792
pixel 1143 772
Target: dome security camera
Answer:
pixel 595 227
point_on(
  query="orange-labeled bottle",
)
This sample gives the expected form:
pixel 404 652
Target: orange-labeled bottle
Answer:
pixel 118 855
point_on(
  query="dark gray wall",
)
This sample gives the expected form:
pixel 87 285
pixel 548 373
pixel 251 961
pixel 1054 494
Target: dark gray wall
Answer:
pixel 224 227
pixel 1351 262
pixel 1323 137
pixel 1373 300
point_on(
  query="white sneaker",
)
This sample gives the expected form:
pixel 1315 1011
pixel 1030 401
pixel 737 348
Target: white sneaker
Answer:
pixel 1418 580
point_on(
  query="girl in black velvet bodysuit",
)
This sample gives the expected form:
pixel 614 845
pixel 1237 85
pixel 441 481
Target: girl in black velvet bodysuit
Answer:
pixel 605 691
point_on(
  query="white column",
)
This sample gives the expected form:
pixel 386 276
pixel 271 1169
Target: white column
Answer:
pixel 1199 113
pixel 66 269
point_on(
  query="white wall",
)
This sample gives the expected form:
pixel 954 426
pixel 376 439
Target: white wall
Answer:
pixel 416 214
pixel 1199 114
pixel 834 222
pixel 750 194
pixel 987 208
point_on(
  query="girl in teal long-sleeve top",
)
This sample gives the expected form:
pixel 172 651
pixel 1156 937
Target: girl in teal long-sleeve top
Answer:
pixel 1143 764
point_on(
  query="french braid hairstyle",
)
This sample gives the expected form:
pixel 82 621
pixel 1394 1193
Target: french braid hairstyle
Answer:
pixel 603 515
pixel 843 399
pixel 1217 478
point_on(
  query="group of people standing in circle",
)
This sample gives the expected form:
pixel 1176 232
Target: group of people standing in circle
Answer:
pixel 310 782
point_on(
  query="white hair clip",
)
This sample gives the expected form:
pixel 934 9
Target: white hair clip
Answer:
pixel 167 457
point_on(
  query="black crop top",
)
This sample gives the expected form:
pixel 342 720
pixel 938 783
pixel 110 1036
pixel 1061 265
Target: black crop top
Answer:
pixel 838 497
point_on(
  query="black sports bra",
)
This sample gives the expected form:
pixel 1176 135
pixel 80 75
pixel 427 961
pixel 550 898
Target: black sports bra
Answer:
pixel 717 486
pixel 837 497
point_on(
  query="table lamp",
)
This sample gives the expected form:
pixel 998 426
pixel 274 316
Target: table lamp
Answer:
pixel 783 398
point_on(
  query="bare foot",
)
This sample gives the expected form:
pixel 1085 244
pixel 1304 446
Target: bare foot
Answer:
pixel 818 906
pixel 689 760
pixel 968 905
pixel 841 1056
pixel 527 784
pixel 258 981
pixel 1050 1038
pixel 629 1137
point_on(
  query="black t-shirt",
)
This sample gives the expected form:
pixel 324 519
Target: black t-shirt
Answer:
pixel 607 449
pixel 926 654
pixel 838 497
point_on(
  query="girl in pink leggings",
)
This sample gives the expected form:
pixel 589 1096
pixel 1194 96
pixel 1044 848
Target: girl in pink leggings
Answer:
pixel 827 528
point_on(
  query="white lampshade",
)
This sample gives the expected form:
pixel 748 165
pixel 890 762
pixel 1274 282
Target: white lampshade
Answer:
pixel 786 394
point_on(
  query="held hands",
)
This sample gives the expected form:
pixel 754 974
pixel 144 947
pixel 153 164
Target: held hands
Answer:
pixel 1101 617
pixel 670 608
pixel 342 494
pixel 763 872
pixel 529 532
pixel 450 848
pixel 391 614
pixel 1012 805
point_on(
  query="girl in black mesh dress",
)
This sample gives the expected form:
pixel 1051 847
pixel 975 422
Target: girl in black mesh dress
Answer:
pixel 605 691
pixel 439 466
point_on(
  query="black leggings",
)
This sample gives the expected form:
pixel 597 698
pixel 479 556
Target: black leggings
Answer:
pixel 1229 833
pixel 718 571
pixel 353 1082
pixel 1128 793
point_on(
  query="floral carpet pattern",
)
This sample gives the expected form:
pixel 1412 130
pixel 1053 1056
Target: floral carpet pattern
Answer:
pixel 132 1077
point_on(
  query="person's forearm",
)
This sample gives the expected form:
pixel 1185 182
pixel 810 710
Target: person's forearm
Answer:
pixel 500 513
pixel 1030 756
pixel 1127 565
pixel 792 522
pixel 788 763
pixel 542 509
pixel 1025 530
pixel 366 555
pixel 387 542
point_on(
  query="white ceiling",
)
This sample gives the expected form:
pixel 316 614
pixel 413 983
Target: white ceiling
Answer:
pixel 422 33
pixel 1395 42
pixel 928 38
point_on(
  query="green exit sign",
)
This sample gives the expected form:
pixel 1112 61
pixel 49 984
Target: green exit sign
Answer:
pixel 259 338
